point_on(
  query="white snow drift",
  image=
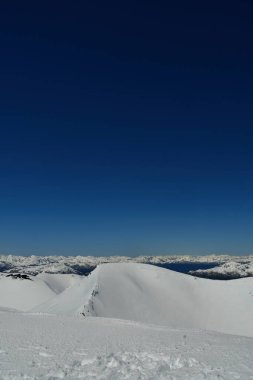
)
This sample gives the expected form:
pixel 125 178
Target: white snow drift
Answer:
pixel 138 292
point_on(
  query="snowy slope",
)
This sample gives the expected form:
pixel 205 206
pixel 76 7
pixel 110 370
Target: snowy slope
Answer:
pixel 229 270
pixel 58 282
pixel 55 347
pixel 23 294
pixel 72 300
pixel 154 295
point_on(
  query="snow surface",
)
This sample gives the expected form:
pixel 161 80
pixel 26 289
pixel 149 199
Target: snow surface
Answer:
pixel 23 294
pixel 56 347
pixel 125 321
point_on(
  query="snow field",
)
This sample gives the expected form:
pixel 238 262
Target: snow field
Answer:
pixel 55 347
pixel 148 294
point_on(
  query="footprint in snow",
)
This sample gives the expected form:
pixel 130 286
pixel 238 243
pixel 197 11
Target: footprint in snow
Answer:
pixel 46 355
pixel 82 353
pixel 36 347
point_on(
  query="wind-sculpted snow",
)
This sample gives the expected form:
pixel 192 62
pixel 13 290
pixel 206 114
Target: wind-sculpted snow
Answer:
pixel 154 295
pixel 138 292
pixel 23 294
pixel 83 265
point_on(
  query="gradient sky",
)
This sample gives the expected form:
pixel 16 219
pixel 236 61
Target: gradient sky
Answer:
pixel 126 127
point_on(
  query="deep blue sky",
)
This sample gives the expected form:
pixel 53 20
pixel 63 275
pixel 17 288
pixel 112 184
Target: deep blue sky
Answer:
pixel 126 127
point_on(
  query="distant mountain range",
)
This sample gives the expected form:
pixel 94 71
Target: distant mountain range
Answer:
pixel 213 266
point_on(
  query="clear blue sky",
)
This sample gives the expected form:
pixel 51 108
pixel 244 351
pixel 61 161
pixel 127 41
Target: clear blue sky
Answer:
pixel 126 127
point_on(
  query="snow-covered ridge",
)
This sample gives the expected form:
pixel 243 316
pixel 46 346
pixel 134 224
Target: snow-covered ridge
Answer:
pixel 137 292
pixel 82 265
pixel 228 270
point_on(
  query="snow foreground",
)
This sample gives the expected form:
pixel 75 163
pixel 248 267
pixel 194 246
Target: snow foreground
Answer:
pixel 57 347
pixel 125 321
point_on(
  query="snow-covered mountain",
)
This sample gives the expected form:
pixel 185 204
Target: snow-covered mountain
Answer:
pixel 137 292
pixel 226 271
